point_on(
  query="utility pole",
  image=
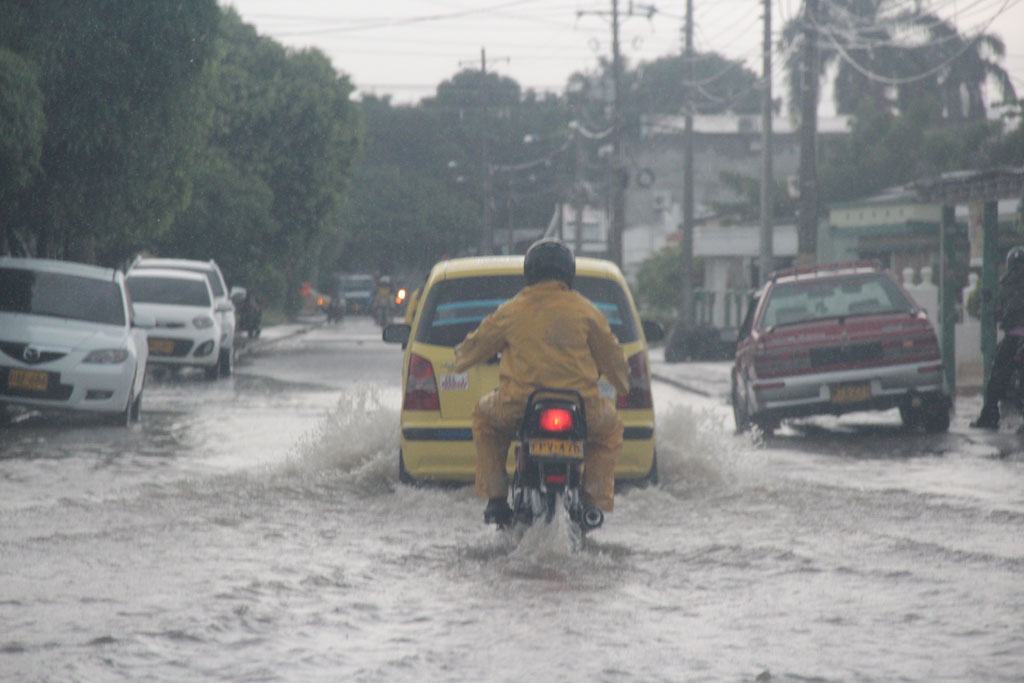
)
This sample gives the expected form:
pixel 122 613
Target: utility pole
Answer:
pixel 618 177
pixel 618 183
pixel 807 230
pixel 487 240
pixel 579 199
pixel 767 181
pixel 687 290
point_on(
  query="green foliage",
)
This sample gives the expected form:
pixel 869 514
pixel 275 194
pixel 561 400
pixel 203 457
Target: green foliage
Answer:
pixel 271 181
pixel 118 84
pixel 887 149
pixel 21 122
pixel 660 280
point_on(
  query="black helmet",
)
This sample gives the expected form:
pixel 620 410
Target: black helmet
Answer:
pixel 1015 258
pixel 549 259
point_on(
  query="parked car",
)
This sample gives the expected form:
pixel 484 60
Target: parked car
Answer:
pixel 834 339
pixel 436 416
pixel 187 329
pixel 69 338
pixel 225 309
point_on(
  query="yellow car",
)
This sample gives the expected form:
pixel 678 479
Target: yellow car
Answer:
pixel 436 422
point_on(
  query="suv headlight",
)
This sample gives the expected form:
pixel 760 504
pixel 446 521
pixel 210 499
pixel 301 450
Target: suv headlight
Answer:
pixel 107 356
pixel 201 322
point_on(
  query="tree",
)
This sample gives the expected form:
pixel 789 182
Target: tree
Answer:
pixel 877 58
pixel 21 135
pixel 405 211
pixel 282 140
pixel 118 83
pixel 969 64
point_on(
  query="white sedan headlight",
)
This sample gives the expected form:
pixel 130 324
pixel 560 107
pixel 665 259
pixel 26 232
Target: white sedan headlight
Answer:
pixel 107 356
pixel 201 322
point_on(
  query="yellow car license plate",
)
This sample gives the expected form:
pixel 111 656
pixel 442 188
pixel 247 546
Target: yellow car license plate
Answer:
pixel 161 346
pixel 33 380
pixel 851 393
pixel 561 448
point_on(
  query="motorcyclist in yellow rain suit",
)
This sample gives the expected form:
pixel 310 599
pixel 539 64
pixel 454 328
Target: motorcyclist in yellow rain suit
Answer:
pixel 548 336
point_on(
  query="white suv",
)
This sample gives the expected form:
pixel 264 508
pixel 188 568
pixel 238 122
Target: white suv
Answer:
pixel 187 328
pixel 69 338
pixel 224 307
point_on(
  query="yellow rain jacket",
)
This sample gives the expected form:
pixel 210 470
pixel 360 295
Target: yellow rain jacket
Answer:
pixel 548 336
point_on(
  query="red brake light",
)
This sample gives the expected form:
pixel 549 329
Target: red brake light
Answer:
pixel 639 396
pixel 420 385
pixel 556 420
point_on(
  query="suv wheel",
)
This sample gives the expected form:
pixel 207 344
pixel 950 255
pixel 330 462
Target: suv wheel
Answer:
pixel 739 410
pixel 936 417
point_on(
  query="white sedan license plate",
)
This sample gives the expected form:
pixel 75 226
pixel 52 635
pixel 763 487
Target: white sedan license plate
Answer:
pixel 851 393
pixel 560 448
pixel 164 347
pixel 33 380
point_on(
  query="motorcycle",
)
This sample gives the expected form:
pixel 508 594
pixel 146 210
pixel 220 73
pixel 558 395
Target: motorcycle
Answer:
pixel 549 462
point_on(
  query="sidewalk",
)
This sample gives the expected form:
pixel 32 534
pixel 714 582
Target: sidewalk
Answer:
pixel 705 378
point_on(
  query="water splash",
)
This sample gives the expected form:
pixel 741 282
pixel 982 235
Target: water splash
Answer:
pixel 356 442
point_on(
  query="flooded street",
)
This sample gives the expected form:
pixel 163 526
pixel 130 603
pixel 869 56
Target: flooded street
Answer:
pixel 254 529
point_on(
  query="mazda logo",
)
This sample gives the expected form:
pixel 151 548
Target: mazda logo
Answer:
pixel 30 354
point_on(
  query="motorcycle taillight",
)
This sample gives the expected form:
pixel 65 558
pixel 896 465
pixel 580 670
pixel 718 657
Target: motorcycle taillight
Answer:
pixel 420 385
pixel 556 420
pixel 639 396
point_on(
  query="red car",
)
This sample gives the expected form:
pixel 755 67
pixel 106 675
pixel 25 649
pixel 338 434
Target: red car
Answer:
pixel 834 339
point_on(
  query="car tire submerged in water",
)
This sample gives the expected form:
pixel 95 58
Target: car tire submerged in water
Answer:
pixel 739 410
pixel 226 362
pixel 403 475
pixel 932 415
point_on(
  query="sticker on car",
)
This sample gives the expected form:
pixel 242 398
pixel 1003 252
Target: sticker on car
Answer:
pixel 458 381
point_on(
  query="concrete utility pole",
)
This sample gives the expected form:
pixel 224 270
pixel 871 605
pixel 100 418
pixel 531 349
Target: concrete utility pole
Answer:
pixel 766 264
pixel 807 230
pixel 686 293
pixel 618 177
pixel 618 185
pixel 487 239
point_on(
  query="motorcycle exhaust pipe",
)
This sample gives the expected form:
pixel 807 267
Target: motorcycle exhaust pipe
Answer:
pixel 592 518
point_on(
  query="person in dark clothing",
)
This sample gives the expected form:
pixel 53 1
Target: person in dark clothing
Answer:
pixel 1011 320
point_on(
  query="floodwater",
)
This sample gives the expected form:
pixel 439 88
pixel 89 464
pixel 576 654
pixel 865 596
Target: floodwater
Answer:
pixel 267 539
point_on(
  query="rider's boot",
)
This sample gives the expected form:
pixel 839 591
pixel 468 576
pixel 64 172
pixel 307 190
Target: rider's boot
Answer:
pixel 498 512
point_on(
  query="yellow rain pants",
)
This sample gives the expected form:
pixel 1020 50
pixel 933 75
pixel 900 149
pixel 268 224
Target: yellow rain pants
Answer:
pixel 548 336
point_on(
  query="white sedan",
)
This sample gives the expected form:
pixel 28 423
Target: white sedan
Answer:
pixel 69 339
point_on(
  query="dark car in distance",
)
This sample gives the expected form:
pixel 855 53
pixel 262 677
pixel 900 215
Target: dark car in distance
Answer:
pixel 834 339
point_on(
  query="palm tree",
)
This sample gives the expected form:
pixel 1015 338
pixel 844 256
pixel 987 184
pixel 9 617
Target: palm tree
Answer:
pixel 850 35
pixel 874 63
pixel 968 63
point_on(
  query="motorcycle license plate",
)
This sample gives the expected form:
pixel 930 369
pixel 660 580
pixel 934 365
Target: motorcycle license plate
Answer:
pixel 32 380
pixel 162 346
pixel 556 448
pixel 851 393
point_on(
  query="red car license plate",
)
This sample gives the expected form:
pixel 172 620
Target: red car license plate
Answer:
pixel 33 380
pixel 851 393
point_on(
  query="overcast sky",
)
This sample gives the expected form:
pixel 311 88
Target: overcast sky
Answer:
pixel 405 48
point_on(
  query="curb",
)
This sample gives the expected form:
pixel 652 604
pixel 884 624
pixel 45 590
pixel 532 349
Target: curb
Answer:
pixel 680 385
